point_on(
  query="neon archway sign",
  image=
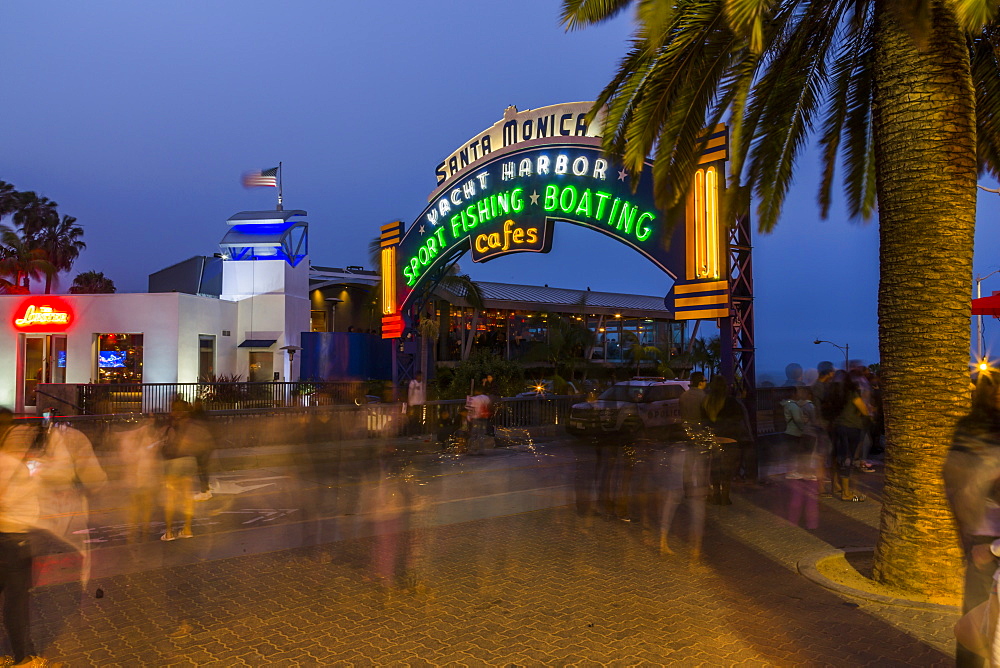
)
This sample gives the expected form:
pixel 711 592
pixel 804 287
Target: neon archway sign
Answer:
pixel 504 191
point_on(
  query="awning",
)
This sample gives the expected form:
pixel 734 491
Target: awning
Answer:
pixel 987 306
pixel 258 343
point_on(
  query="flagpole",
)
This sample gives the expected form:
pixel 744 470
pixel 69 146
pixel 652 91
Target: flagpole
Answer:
pixel 279 185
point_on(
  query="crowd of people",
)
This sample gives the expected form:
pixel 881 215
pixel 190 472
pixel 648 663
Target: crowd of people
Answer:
pixel 826 434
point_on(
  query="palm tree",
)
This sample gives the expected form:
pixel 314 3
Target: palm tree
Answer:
pixel 20 262
pixel 905 94
pixel 564 347
pixel 9 199
pixel 30 215
pixel 60 239
pixel 640 352
pixel 706 355
pixel 92 283
pixel 429 329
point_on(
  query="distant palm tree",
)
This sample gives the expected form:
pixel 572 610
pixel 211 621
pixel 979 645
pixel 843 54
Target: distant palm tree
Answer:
pixel 30 215
pixel 9 199
pixel 706 355
pixel 639 352
pixel 92 283
pixel 32 212
pixel 429 329
pixel 20 262
pixel 565 346
pixel 60 239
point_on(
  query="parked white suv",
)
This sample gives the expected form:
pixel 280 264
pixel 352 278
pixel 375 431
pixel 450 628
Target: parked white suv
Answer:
pixel 629 407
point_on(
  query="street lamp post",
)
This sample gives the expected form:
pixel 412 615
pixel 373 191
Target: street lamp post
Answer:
pixel 332 302
pixel 846 349
pixel 979 318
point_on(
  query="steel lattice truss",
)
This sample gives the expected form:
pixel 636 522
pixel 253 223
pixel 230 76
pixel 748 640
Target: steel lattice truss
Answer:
pixel 741 329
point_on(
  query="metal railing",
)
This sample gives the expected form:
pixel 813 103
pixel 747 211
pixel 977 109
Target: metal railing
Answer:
pixel 241 398
pixel 291 425
pixel 95 399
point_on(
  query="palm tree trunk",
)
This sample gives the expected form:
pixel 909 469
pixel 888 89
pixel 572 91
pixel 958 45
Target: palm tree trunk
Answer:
pixel 924 129
pixel 472 335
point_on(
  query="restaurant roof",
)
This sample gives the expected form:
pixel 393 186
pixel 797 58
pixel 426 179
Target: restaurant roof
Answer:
pixel 561 300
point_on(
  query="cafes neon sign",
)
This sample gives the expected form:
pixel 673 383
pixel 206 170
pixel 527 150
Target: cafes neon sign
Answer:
pixel 43 315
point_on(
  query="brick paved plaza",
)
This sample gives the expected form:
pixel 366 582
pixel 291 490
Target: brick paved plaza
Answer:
pixel 485 564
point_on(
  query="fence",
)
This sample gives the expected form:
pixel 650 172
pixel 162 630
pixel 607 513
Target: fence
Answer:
pixel 158 397
pixel 315 416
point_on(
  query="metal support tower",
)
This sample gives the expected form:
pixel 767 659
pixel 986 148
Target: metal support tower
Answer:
pixel 738 329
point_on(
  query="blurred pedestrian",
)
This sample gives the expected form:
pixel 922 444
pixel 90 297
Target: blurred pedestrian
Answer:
pixel 19 512
pixel 202 446
pixel 849 427
pixel 826 412
pixel 138 444
pixel 690 401
pixel 797 436
pixel 68 472
pixel 972 485
pixel 727 418
pixel 478 406
pixel 683 469
pixel 416 397
pixel 180 449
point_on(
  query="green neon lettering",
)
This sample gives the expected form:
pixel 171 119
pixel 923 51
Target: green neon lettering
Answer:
pixel 422 256
pixel 415 267
pixel 642 233
pixel 602 199
pixel 439 233
pixel 469 218
pixel 493 207
pixel 584 207
pixel 503 202
pixel 432 247
pixel 627 217
pixel 614 210
pixel 551 195
pixel 516 201
pixel 483 208
pixel 410 278
pixel 456 222
pixel 565 205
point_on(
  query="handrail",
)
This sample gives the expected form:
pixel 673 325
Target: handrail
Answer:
pixel 61 400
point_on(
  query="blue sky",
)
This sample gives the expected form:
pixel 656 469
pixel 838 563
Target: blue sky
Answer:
pixel 139 118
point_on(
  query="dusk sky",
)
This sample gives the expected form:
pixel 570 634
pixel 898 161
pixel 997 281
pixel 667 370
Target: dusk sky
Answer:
pixel 139 119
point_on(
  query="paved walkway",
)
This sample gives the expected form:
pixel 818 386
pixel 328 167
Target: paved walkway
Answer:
pixel 486 563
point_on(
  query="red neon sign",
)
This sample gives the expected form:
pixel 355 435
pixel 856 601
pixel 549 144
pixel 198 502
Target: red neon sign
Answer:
pixel 43 314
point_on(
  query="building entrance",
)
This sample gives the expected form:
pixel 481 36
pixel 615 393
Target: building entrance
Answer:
pixel 42 360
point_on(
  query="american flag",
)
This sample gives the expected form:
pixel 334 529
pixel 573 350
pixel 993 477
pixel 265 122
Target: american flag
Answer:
pixel 267 178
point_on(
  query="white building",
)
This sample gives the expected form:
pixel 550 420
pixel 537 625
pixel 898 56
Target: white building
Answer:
pixel 170 337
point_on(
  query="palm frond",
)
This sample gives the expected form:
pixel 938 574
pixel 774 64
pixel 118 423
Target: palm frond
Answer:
pixel 973 15
pixel 747 18
pixel 787 96
pixel 985 64
pixel 577 14
pixel 845 83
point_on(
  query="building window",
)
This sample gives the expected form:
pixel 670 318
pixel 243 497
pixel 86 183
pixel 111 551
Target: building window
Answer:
pixel 119 358
pixel 206 357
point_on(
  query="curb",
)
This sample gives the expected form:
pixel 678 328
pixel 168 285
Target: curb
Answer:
pixel 808 568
